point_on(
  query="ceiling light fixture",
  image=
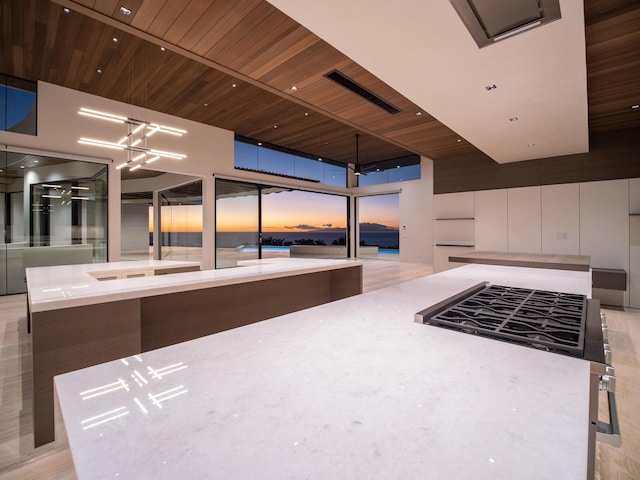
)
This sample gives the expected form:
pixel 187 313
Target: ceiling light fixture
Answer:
pixel 162 49
pixel 233 85
pixel 135 141
pixel 294 89
pixel 125 11
pixel 459 140
pixel 66 10
pixel 115 39
pixel 418 114
pixel 636 106
pixel 99 70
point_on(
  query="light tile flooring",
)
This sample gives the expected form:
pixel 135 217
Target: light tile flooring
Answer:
pixel 20 461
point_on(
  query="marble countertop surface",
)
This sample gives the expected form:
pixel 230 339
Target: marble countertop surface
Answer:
pixel 352 389
pixel 51 288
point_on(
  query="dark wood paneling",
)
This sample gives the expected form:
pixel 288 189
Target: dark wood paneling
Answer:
pixel 74 338
pixel 178 317
pixel 612 30
pixel 249 43
pixel 612 155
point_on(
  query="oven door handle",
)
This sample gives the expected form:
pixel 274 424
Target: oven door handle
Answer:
pixel 610 432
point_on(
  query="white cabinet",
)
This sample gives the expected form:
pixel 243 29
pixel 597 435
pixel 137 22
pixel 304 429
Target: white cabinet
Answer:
pixel 561 219
pixel 491 220
pixel 634 242
pixel 604 230
pixel 524 228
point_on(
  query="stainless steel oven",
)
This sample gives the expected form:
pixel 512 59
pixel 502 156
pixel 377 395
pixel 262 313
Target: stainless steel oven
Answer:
pixel 561 323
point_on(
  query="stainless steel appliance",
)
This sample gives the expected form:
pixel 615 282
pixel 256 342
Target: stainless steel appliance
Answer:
pixel 561 323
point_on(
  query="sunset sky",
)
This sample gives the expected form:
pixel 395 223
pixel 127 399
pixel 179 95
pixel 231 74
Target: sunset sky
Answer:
pixel 287 211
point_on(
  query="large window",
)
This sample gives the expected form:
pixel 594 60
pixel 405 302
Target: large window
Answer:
pixel 261 221
pixel 18 105
pixel 53 212
pixel 258 157
pixel 390 171
pixel 378 226
pixel 181 222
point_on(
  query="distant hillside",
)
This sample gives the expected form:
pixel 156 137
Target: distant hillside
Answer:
pixel 376 227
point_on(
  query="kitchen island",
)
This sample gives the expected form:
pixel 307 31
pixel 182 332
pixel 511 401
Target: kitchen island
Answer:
pixel 350 389
pixel 83 315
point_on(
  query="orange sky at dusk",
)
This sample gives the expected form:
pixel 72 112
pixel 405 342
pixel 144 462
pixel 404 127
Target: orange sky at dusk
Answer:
pixel 287 211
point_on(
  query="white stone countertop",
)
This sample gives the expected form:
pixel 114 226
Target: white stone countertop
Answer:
pixel 65 286
pixel 353 389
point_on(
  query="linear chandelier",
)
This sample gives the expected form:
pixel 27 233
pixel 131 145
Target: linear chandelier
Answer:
pixel 135 141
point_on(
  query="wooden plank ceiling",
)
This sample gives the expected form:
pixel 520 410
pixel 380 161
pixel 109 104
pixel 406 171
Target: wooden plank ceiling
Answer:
pixel 233 63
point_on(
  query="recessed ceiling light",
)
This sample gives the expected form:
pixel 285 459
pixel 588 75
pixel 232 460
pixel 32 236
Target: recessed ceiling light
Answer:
pixel 162 49
pixel 306 114
pixel 531 145
pixel 636 106
pixel 66 10
pixel 21 166
pixel 206 104
pixel 259 143
pixel 99 70
pixel 233 85
pixel 513 119
pixel 275 126
pixel 459 140
pixel 319 159
pixel 294 89
pixel 418 113
pixel 125 11
pixel 35 161
pixel 115 39
pixel 491 87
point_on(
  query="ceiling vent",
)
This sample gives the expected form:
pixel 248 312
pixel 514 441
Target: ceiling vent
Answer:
pixel 341 79
pixel 490 21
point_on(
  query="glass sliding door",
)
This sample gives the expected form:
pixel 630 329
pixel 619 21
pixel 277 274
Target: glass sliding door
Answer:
pixel 181 222
pixel 53 211
pixel 237 222
pixel 299 223
pixel 262 221
pixel 378 226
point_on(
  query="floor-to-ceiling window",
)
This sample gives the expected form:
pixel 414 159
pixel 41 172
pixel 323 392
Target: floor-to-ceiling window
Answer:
pixel 262 221
pixel 53 211
pixel 181 222
pixel 378 226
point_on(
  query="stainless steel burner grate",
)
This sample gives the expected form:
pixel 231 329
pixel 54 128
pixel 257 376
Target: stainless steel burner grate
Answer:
pixel 551 321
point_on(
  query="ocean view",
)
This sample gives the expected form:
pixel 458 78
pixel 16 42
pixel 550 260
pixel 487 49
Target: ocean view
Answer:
pixel 383 239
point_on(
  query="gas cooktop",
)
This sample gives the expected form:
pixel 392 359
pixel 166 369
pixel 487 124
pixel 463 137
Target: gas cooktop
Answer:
pixel 551 321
